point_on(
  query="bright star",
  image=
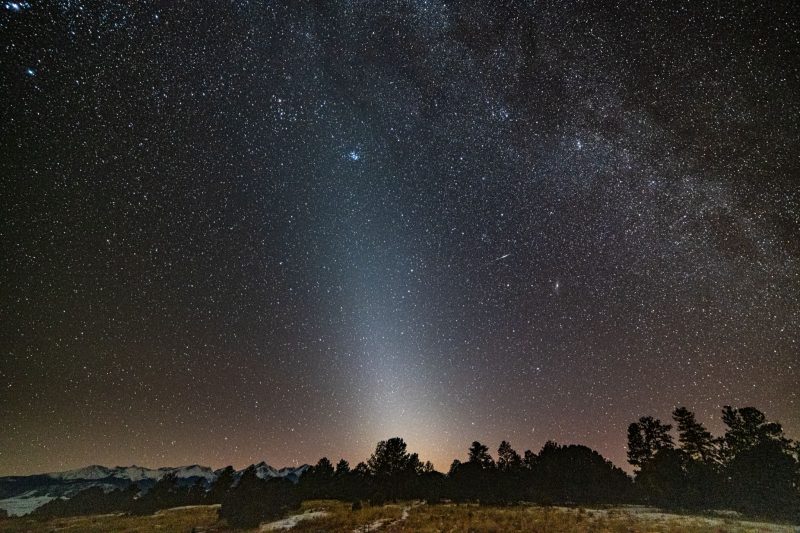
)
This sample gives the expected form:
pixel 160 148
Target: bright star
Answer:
pixel 16 7
pixel 354 155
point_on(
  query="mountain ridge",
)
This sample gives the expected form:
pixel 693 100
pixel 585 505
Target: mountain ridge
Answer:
pixel 20 495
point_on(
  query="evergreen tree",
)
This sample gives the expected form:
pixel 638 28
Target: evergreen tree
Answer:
pixel 393 469
pixel 507 457
pixel 477 479
pixel 760 466
pixel 661 480
pixel 361 470
pixel 695 440
pixel 318 480
pixel 323 469
pixel 530 459
pixel 454 467
pixel 747 427
pixel 414 464
pixel 342 468
pixel 764 481
pixel 254 500
pixel 645 438
pixel 575 474
pixel 479 454
pixel 390 458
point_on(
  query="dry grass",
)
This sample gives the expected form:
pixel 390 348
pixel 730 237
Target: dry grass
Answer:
pixel 341 518
pixel 444 518
pixel 420 518
pixel 180 520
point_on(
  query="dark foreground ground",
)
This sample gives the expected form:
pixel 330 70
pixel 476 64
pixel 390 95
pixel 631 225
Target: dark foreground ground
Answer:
pixel 326 515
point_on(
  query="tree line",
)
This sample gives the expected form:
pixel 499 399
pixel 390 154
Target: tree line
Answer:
pixel 753 468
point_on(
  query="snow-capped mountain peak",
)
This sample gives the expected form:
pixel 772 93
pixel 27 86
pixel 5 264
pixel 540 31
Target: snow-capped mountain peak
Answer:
pixel 135 473
pixel 22 494
pixel 88 472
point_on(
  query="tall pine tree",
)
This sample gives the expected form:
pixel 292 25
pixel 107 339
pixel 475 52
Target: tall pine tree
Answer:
pixel 696 441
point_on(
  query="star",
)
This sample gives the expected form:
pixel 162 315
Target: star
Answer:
pixel 312 221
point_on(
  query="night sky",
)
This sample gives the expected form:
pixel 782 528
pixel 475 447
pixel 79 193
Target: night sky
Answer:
pixel 236 231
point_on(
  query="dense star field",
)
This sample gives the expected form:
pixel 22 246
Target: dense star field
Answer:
pixel 236 231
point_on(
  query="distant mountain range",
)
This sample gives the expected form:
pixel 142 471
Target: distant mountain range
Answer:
pixel 20 495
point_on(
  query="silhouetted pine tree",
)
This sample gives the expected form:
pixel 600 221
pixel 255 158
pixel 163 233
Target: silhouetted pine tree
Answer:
pixel 764 481
pixel 576 475
pixel 323 469
pixel 318 481
pixel 700 462
pixel 645 438
pixel 475 479
pixel 253 500
pixel 479 454
pixel 747 427
pixel 393 469
pixel 361 469
pixel 510 478
pixel 529 459
pixel 762 472
pixel 342 467
pixel 454 466
pixel 507 457
pixel 752 468
pixel 661 480
pixel 696 441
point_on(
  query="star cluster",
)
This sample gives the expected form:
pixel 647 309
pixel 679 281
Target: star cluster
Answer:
pixel 245 231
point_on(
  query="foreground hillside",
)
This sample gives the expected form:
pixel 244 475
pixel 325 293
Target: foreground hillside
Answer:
pixel 328 515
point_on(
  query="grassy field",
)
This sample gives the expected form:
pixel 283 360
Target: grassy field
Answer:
pixel 171 520
pixel 410 516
